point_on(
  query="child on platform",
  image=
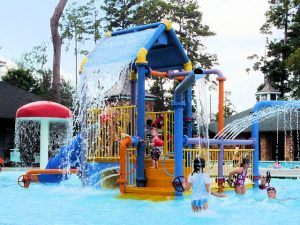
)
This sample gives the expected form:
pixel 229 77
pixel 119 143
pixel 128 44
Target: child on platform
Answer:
pixel 156 145
pixel 201 186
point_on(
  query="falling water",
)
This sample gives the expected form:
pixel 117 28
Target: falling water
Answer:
pixel 202 117
pixel 233 129
pixel 108 65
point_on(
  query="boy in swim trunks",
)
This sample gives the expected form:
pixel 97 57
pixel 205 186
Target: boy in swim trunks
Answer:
pixel 201 186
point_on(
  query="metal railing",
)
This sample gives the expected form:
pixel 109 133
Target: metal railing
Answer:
pixel 232 159
pixel 167 131
pixel 131 166
pixel 105 130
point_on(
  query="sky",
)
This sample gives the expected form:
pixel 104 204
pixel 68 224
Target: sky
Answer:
pixel 25 24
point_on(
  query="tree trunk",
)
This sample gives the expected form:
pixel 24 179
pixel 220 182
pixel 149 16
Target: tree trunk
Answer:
pixel 57 42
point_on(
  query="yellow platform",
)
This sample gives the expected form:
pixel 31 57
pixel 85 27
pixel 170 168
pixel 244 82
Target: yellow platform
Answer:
pixel 159 184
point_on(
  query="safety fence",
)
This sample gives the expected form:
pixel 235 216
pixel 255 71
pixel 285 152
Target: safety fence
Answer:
pixel 131 166
pixel 232 159
pixel 106 128
pixel 166 132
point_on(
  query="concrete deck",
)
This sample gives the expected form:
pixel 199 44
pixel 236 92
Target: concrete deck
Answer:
pixel 281 173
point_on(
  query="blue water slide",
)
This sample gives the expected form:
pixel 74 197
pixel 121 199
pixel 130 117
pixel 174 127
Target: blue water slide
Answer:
pixel 68 156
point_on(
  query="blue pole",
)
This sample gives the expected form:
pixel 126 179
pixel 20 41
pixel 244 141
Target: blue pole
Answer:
pixel 178 105
pixel 255 135
pixel 133 85
pixel 178 141
pixel 220 167
pixel 140 175
pixel 188 117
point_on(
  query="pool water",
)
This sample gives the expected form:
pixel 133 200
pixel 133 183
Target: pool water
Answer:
pixel 284 164
pixel 69 203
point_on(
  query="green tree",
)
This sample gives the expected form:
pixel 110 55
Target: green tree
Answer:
pixel 95 26
pixel 279 59
pixel 229 108
pixel 75 24
pixel 67 92
pixel 151 11
pixel 35 59
pixel 294 58
pixel 119 13
pixel 21 78
pixel 187 19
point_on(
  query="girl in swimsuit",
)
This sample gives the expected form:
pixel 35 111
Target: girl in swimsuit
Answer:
pixel 201 186
pixel 241 172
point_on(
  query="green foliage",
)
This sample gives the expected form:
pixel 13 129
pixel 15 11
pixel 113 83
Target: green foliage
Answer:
pixel 229 108
pixel 119 13
pixel 186 18
pixel 21 78
pixel 156 89
pixel 75 23
pixel 35 59
pixel 151 11
pixel 281 63
pixel 186 15
pixel 66 92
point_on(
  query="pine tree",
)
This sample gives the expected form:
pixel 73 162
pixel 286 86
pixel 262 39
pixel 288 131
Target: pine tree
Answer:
pixel 279 59
pixel 119 13
pixel 75 24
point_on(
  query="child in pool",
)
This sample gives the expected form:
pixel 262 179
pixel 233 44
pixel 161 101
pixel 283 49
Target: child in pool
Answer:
pixel 271 191
pixel 201 186
pixel 277 165
pixel 241 172
pixel 265 181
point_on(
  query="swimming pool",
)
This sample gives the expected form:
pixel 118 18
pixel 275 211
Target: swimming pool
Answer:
pixel 284 164
pixel 69 203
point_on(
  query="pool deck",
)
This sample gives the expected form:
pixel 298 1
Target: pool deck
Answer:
pixel 281 173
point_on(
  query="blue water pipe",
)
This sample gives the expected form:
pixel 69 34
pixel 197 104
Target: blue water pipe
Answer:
pixel 178 105
pixel 255 130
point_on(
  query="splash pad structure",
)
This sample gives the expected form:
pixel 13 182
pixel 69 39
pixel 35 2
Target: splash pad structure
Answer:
pixel 111 146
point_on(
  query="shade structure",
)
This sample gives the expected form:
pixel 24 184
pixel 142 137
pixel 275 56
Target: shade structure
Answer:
pixel 44 109
pixel 44 112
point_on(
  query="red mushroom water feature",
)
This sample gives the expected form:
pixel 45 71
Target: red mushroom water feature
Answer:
pixel 43 112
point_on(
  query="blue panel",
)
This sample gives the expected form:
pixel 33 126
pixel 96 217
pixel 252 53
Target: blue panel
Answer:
pixel 163 39
pixel 165 57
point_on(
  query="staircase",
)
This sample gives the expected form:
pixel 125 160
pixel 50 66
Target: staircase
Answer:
pixel 158 182
pixel 158 177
